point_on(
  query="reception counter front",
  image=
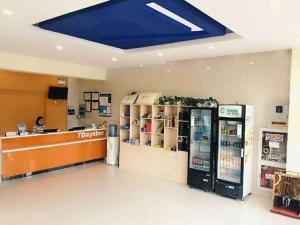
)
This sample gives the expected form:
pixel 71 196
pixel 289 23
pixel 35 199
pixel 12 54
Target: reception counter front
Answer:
pixel 37 152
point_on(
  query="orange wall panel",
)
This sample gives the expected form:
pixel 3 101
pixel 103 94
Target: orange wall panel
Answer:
pixel 56 114
pixel 14 110
pixel 23 97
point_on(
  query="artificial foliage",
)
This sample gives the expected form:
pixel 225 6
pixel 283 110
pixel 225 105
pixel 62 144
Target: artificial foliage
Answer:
pixel 187 101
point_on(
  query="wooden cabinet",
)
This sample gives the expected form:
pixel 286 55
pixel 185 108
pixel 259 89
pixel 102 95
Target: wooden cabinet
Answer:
pixel 286 194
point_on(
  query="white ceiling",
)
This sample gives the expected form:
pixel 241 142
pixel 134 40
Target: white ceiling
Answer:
pixel 262 25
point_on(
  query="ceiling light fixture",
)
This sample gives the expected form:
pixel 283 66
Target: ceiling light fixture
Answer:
pixel 59 47
pixel 168 71
pixel 274 5
pixel 251 63
pixel 211 47
pixel 208 68
pixel 173 16
pixel 7 12
pixel 160 54
pixel 114 59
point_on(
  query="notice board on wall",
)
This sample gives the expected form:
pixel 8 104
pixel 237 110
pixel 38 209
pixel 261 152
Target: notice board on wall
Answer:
pixel 105 105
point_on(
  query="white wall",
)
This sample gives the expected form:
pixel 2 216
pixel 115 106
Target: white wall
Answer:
pixel 293 157
pixel 231 79
pixel 73 100
pixel 15 62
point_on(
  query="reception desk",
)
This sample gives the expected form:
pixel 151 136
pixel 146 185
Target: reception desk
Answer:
pixel 37 152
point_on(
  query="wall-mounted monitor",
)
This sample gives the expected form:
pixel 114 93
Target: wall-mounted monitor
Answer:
pixel 58 92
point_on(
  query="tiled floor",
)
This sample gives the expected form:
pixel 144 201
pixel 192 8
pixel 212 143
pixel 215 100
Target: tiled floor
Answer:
pixel 97 194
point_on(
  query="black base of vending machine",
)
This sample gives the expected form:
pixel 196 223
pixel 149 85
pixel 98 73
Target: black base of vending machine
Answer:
pixel 229 190
pixel 203 181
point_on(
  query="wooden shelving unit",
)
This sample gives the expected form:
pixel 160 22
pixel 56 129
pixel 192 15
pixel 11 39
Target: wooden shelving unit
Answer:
pixel 125 127
pixel 152 125
pixel 154 150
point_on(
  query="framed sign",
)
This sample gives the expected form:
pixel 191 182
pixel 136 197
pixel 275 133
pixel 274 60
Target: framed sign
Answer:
pixel 105 105
pixel 95 105
pixel 95 96
pixel 231 111
pixel 87 96
pixel 88 106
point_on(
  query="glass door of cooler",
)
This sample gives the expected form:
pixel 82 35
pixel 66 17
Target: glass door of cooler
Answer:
pixel 230 151
pixel 200 139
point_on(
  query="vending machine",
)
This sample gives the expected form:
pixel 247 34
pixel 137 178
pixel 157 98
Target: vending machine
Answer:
pixel 202 148
pixel 235 151
pixel 271 156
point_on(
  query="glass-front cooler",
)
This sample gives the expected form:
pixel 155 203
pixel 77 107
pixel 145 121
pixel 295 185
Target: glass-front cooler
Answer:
pixel 230 151
pixel 200 139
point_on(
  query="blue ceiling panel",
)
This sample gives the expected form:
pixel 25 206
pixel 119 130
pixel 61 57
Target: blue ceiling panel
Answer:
pixel 129 24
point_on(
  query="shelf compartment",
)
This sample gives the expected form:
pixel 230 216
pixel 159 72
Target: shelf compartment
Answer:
pixel 170 138
pixel 204 142
pixel 158 112
pixel 146 112
pixel 230 135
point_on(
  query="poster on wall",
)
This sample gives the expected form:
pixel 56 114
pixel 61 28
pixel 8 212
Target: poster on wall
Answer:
pixel 105 105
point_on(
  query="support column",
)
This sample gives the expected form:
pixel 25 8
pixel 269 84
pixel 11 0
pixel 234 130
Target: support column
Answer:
pixel 293 149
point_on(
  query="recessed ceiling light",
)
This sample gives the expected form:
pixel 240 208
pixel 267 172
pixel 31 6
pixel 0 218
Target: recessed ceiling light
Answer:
pixel 274 5
pixel 7 12
pixel 208 68
pixel 168 71
pixel 160 54
pixel 114 59
pixel 211 47
pixel 251 63
pixel 59 47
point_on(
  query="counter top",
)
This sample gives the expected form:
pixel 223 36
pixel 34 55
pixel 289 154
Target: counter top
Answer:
pixel 54 133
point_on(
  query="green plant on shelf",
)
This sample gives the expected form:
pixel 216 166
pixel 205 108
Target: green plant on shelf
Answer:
pixel 187 101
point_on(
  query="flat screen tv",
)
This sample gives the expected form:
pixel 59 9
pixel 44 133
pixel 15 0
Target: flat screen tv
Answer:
pixel 58 92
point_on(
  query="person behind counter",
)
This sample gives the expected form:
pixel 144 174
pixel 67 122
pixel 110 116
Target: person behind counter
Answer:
pixel 39 126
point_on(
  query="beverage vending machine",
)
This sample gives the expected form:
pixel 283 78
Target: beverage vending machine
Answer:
pixel 235 150
pixel 202 148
